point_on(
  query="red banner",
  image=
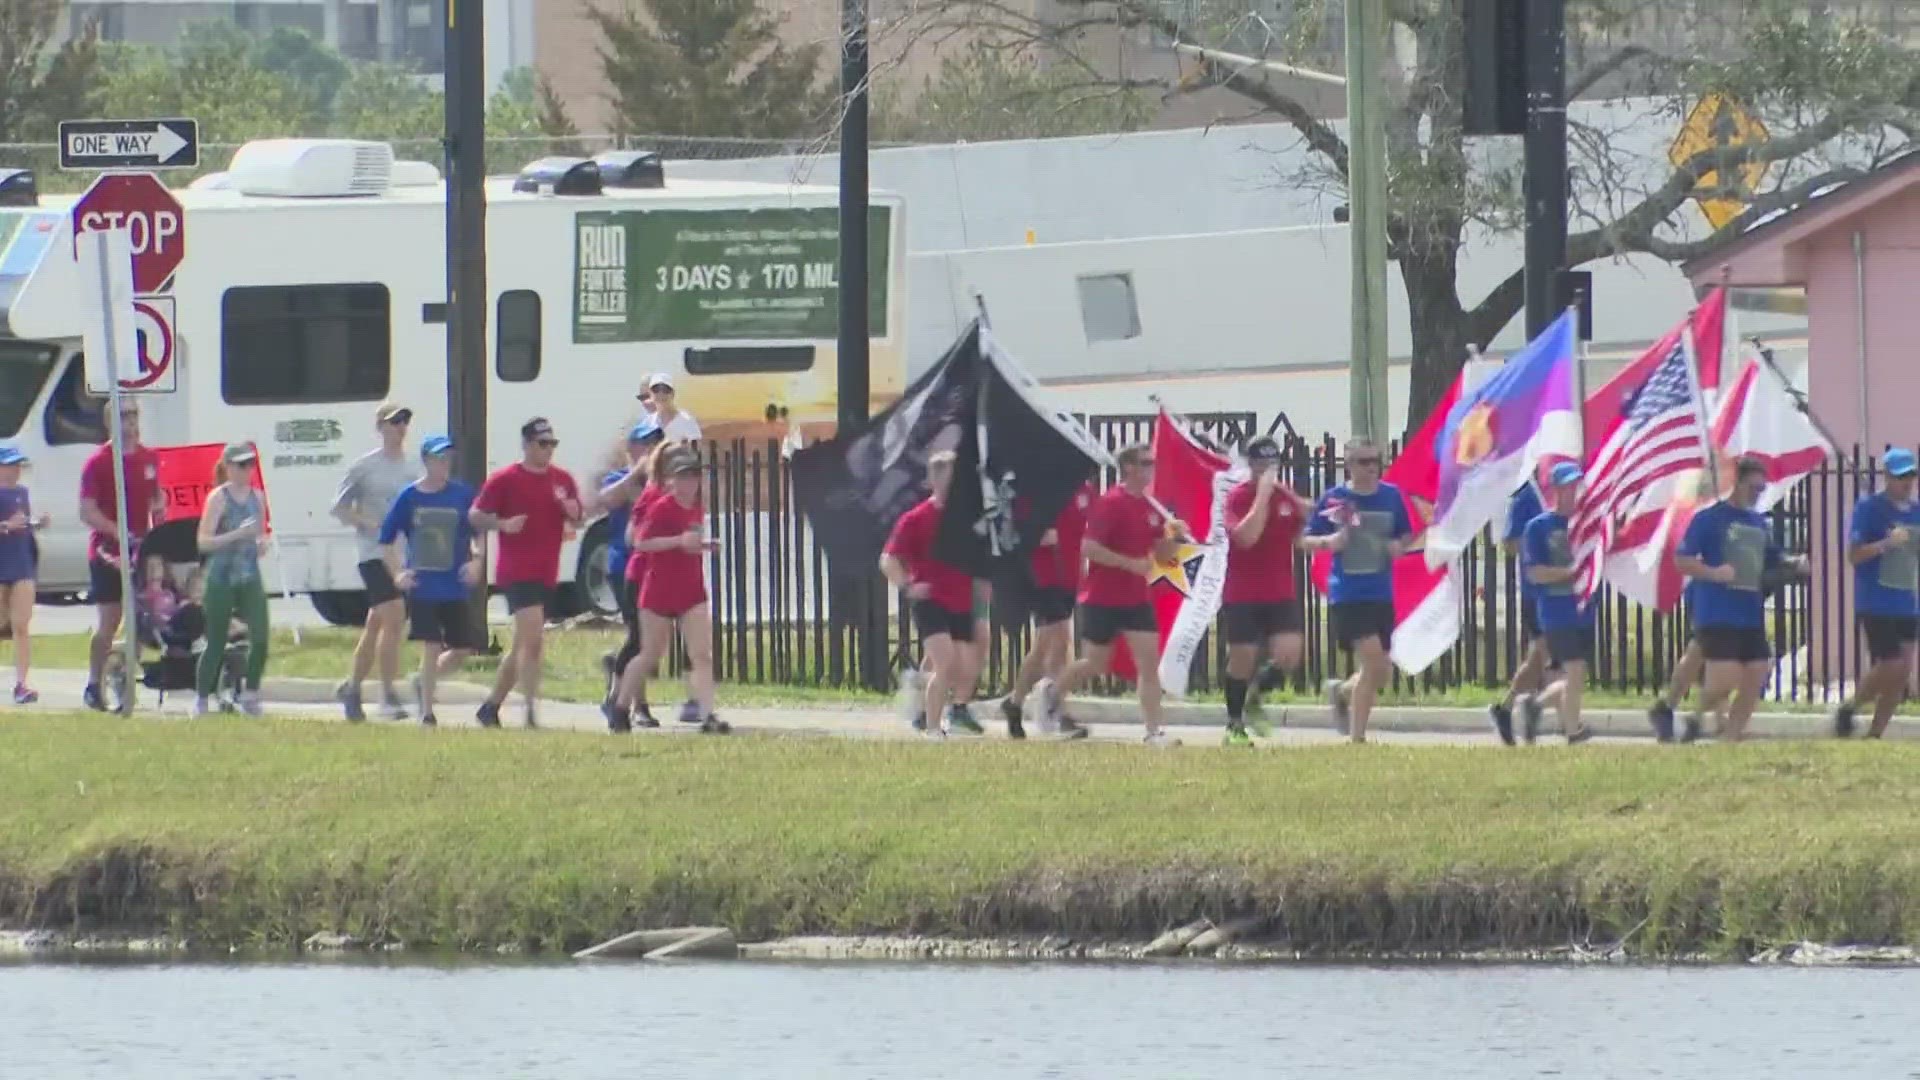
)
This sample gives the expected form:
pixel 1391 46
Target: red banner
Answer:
pixel 186 478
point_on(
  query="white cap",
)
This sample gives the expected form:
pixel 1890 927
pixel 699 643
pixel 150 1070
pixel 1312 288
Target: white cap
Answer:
pixel 659 378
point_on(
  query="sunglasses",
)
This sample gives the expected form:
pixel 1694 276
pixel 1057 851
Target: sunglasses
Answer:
pixel 1370 461
pixel 546 444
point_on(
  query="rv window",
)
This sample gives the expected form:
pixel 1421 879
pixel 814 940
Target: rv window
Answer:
pixel 294 344
pixel 24 367
pixel 73 416
pixel 749 359
pixel 1108 308
pixel 516 353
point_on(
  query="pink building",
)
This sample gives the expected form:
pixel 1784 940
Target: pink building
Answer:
pixel 1856 252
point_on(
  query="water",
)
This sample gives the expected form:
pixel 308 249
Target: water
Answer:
pixel 848 1022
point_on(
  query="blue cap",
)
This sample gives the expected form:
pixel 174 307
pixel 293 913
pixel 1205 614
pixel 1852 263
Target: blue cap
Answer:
pixel 1566 472
pixel 11 455
pixel 435 445
pixel 1900 462
pixel 647 430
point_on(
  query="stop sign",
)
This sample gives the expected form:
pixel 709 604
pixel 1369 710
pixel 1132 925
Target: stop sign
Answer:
pixel 141 204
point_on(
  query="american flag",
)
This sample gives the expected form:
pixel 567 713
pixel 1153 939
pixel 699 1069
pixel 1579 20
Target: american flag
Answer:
pixel 1647 468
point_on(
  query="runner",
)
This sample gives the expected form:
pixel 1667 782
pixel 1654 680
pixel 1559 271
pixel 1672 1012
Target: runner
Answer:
pixel 942 605
pixel 100 511
pixel 373 482
pixel 1125 534
pixel 630 707
pixel 1686 675
pixel 19 559
pixel 1566 627
pixel 1529 677
pixel 1054 573
pixel 679 424
pixel 1259 606
pixel 531 502
pixel 1364 523
pixel 620 491
pixel 439 569
pixel 1729 551
pixel 232 535
pixel 1884 548
pixel 674 593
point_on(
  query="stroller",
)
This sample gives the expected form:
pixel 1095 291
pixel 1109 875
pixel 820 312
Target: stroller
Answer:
pixel 167 617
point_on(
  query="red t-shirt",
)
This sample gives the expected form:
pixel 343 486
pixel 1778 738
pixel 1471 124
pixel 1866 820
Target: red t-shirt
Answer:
pixel 96 483
pixel 912 544
pixel 637 560
pixel 533 553
pixel 1263 572
pixel 1058 565
pixel 1125 524
pixel 674 583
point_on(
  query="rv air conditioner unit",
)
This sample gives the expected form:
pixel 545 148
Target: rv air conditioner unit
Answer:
pixel 559 176
pixel 311 168
pixel 631 169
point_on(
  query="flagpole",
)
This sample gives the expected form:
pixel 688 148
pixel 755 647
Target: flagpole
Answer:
pixel 1579 387
pixel 1794 395
pixel 1700 405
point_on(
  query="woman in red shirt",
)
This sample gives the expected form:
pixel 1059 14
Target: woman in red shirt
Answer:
pixel 674 589
pixel 942 604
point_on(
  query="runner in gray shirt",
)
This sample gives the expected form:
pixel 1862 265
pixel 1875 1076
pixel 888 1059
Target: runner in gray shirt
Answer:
pixel 373 482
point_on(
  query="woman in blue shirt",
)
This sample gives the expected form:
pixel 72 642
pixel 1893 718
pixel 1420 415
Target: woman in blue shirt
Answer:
pixel 1727 554
pixel 18 559
pixel 1883 545
pixel 1365 524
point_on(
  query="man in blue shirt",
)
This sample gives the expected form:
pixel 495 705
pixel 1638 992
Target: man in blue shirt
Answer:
pixel 441 567
pixel 1522 508
pixel 1728 553
pixel 1883 545
pixel 1365 524
pixel 1547 558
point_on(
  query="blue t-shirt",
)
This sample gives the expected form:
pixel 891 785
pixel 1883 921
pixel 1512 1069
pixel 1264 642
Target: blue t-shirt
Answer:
pixel 1888 584
pixel 1363 570
pixel 16 548
pixel 1548 544
pixel 439 537
pixel 1725 535
pixel 1522 508
pixel 617 550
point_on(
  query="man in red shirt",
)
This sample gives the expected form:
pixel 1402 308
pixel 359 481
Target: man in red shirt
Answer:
pixel 1126 532
pixel 531 502
pixel 1055 572
pixel 942 598
pixel 1260 607
pixel 100 510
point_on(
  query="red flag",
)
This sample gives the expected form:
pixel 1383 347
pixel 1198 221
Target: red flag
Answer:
pixel 186 478
pixel 1760 418
pixel 1426 601
pixel 1191 482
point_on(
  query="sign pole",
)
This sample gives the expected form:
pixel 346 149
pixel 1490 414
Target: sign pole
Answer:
pixel 1546 161
pixel 129 629
pixel 466 135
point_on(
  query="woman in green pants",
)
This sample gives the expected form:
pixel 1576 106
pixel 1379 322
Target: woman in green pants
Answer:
pixel 232 534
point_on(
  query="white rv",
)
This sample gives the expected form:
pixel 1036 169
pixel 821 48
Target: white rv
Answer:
pixel 313 288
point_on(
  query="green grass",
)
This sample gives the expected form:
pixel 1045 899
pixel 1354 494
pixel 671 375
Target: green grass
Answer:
pixel 258 833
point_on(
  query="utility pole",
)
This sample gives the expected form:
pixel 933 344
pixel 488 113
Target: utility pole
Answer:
pixel 1546 163
pixel 853 385
pixel 466 159
pixel 1367 200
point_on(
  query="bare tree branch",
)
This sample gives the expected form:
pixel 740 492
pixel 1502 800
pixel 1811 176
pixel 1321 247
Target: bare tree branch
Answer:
pixel 1605 66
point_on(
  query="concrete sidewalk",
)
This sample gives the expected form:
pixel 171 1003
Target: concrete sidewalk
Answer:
pixel 1114 720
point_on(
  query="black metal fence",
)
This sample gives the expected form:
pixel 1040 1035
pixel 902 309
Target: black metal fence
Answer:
pixel 782 616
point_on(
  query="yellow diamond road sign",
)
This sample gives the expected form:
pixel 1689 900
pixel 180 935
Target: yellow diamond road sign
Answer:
pixel 1716 121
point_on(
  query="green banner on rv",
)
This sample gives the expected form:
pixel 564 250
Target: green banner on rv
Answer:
pixel 717 275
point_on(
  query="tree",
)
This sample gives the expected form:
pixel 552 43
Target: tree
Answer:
pixel 215 77
pixel 39 88
pixel 389 102
pixel 1838 98
pixel 985 92
pixel 708 67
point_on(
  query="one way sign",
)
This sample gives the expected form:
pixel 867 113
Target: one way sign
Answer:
pixel 129 144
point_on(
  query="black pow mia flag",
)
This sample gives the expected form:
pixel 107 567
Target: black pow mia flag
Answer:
pixel 1017 466
pixel 854 486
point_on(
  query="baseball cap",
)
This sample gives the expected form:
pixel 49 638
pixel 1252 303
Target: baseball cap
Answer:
pixel 11 455
pixel 660 378
pixel 239 451
pixel 392 412
pixel 1264 448
pixel 536 428
pixel 683 464
pixel 435 445
pixel 646 431
pixel 1900 462
pixel 1566 472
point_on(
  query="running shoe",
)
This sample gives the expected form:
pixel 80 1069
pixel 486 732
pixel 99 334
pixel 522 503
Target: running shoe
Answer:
pixel 960 720
pixel 1237 736
pixel 429 720
pixel 348 695
pixel 1016 728
pixel 619 720
pixel 1502 717
pixel 92 698
pixel 1694 729
pixel 1070 729
pixel 713 725
pixel 690 713
pixel 200 707
pixel 1531 712
pixel 1336 691
pixel 392 708
pixel 1661 718
pixel 487 715
pixel 1842 720
pixel 931 734
pixel 250 703
pixel 1583 735
pixel 1160 740
pixel 643 717
pixel 22 695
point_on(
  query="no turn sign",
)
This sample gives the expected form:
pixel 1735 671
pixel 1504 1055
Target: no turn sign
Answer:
pixel 154 368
